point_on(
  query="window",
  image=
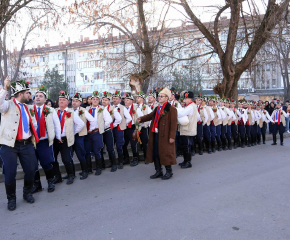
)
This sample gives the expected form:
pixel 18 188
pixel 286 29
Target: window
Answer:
pixel 274 83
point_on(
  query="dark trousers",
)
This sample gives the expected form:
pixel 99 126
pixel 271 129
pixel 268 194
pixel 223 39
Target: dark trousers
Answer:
pixel 186 143
pixel 229 132
pixel 26 154
pixel 199 133
pixel 94 143
pixel 278 128
pixel 234 131
pixel 270 127
pixel 206 132
pixel 263 130
pixel 242 131
pixel 218 132
pixel 156 158
pixel 44 154
pixel 248 131
pixel 108 139
pixel 254 130
pixel 79 148
pixel 223 131
pixel 128 138
pixel 212 131
pixel 65 152
pixel 118 139
pixel 144 139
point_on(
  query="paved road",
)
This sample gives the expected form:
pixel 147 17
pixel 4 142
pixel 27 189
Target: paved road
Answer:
pixel 238 194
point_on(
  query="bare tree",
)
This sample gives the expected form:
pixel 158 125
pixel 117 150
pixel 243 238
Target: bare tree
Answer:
pixel 257 30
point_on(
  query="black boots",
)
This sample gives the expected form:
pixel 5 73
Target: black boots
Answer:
pixel 37 187
pixel 259 139
pixel 158 168
pixel 230 144
pixel 70 174
pixel 98 167
pixel 120 159
pixel 114 163
pixel 11 196
pixel 84 173
pixel 208 143
pixel 28 184
pixel 274 140
pixel 242 142
pixel 235 144
pixel 74 171
pixel 213 146
pixel 219 143
pixel 89 164
pixel 193 149
pixel 49 178
pixel 134 162
pixel 249 142
pixel 281 140
pixel 187 160
pixel 200 148
pixel 168 173
pixel 264 138
pixel 224 144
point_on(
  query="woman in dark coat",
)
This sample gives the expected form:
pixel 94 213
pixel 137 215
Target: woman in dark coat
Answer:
pixel 161 144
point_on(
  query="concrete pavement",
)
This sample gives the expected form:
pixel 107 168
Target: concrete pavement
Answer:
pixel 238 194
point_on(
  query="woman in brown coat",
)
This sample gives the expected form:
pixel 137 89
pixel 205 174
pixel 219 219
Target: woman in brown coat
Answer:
pixel 161 144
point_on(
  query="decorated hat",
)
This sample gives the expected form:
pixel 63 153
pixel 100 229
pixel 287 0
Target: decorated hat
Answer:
pixel 212 98
pixel 199 96
pixel 129 96
pixel 279 102
pixel 78 96
pixel 188 94
pixel 233 101
pixel 63 94
pixel 95 94
pixel 42 89
pixel 141 94
pixel 152 93
pixel 107 95
pixel 19 86
pixel 173 90
pixel 166 91
pixel 117 94
pixel 204 98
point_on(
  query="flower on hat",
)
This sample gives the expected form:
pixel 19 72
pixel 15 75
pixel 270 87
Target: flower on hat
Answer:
pixel 105 93
pixel 41 87
pixel 27 82
pixel 186 94
pixel 61 91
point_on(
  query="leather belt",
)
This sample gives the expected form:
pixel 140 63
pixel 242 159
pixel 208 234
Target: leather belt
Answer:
pixel 23 141
pixel 93 131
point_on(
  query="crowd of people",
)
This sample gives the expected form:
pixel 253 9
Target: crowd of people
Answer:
pixel 179 123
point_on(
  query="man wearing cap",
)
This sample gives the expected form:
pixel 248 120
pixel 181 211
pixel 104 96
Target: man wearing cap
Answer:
pixel 215 127
pixel 201 122
pixel 250 118
pixel 108 132
pixel 279 122
pixel 172 99
pixel 206 126
pixel 17 138
pixel 70 124
pixel 118 131
pixel 161 145
pixel 48 128
pixel 79 145
pixel 265 119
pixel 188 131
pixel 144 126
pixel 152 103
pixel 128 133
pixel 94 139
pixel 234 123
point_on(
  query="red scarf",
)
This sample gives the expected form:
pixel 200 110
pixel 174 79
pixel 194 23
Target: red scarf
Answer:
pixel 157 116
pixel 131 113
pixel 88 122
pixel 111 125
pixel 279 115
pixel 41 123
pixel 20 131
pixel 198 109
pixel 62 119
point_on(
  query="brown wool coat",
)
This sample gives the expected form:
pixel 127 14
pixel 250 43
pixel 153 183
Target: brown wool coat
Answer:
pixel 166 129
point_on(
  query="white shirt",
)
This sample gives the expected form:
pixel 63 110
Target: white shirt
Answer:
pixel 204 113
pixel 275 115
pixel 78 124
pixel 126 114
pixel 139 113
pixel 173 102
pixel 210 112
pixel 222 112
pixel 89 118
pixel 24 134
pixel 218 112
pixel 265 116
pixel 117 116
pixel 139 109
pixel 56 123
pixel 181 112
pixel 257 115
pixel 106 116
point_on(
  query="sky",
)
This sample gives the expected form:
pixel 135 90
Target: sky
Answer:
pixel 40 37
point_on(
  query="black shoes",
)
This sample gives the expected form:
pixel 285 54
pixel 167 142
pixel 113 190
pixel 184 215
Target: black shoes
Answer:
pixel 11 196
pixel 84 172
pixel 121 165
pixel 114 168
pixel 37 187
pixel 98 171
pixel 274 143
pixel 57 179
pixel 158 174
pixel 27 195
pixel 98 167
pixel 134 162
pixel 70 173
pixel 168 173
pixel 187 160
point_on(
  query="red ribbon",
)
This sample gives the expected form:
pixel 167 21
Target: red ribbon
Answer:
pixel 111 125
pixel 20 131
pixel 42 122
pixel 88 122
pixel 131 113
pixel 62 119
pixel 279 115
